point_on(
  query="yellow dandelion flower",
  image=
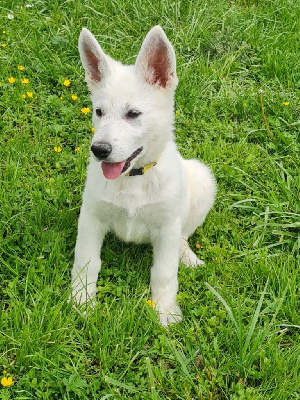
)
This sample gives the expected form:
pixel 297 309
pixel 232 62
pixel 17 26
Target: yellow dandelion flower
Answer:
pixel 6 382
pixel 61 97
pixel 0 84
pixel 20 68
pixel 150 303
pixel 92 129
pixel 4 32
pixel 29 94
pixel 3 45
pixel 78 148
pixel 11 79
pixel 85 110
pixel 286 103
pixel 67 82
pixel 245 105
pixel 25 81
pixel 57 149
pixel 23 96
pixel 74 97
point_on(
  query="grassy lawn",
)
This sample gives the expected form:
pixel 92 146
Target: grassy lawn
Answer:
pixel 239 338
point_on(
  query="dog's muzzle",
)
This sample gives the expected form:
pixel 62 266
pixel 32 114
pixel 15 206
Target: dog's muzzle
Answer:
pixel 111 170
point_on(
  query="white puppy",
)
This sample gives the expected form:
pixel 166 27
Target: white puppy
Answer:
pixel 138 186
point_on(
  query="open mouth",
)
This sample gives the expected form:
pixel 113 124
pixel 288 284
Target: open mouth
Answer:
pixel 113 170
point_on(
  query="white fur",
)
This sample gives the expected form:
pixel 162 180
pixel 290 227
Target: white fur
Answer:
pixel 166 204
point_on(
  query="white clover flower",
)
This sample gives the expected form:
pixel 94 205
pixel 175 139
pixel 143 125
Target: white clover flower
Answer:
pixel 10 16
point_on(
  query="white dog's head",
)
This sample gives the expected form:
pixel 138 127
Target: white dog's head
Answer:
pixel 132 105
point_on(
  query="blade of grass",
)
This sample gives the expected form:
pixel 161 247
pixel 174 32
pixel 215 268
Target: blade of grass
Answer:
pixel 254 320
pixel 183 363
pixel 223 301
pixel 119 384
pixel 151 378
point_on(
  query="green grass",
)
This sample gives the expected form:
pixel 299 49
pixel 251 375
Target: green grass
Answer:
pixel 240 335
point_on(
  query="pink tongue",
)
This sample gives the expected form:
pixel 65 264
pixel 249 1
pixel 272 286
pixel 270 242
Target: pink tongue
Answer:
pixel 112 170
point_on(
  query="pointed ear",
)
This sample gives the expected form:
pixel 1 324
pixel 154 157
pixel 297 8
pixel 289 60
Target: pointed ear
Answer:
pixel 156 61
pixel 93 58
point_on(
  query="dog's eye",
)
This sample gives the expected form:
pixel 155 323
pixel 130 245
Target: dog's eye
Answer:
pixel 133 114
pixel 98 112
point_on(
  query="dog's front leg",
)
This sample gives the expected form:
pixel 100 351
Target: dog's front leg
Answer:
pixel 164 273
pixel 87 262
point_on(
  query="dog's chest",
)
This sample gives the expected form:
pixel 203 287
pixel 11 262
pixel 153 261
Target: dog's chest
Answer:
pixel 132 223
pixel 134 209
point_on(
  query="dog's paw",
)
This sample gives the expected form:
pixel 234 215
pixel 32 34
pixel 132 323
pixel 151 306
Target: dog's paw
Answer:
pixel 84 296
pixel 168 315
pixel 189 258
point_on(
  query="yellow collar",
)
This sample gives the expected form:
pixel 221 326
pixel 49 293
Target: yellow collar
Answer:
pixel 142 170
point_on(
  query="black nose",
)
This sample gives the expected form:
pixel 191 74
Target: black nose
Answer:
pixel 101 150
